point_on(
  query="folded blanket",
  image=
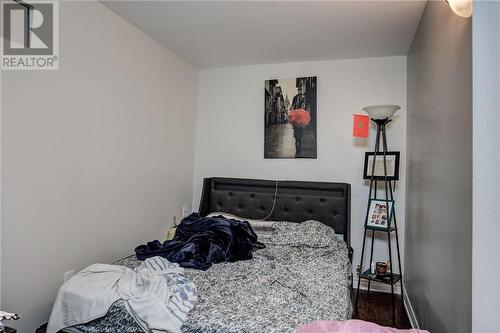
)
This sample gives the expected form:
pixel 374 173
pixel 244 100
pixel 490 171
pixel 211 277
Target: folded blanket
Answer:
pixel 201 241
pixel 350 326
pixel 157 295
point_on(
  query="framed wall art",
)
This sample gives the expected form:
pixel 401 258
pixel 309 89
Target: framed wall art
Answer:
pixel 379 217
pixel 290 118
pixel 392 160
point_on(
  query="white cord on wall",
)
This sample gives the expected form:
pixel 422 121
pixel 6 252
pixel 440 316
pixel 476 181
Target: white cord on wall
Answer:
pixel 274 201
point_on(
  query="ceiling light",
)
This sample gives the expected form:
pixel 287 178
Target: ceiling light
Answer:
pixel 462 8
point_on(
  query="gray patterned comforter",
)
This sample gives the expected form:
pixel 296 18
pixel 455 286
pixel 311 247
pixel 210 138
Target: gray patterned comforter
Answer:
pixel 302 275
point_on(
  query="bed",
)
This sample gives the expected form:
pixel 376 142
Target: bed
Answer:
pixel 303 274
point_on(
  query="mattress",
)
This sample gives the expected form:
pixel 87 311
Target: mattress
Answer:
pixel 287 284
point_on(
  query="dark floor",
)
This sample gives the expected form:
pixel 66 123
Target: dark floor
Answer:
pixel 376 307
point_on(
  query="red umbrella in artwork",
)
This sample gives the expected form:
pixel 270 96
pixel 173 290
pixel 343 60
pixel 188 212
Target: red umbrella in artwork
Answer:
pixel 299 117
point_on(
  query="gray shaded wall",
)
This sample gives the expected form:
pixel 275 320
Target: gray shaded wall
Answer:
pixel 438 247
pixel 96 157
pixel 486 229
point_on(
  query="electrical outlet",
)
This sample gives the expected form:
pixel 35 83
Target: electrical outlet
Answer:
pixel 68 275
pixel 358 269
pixel 184 211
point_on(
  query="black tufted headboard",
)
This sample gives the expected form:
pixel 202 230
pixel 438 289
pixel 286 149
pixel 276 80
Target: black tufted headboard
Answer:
pixel 296 201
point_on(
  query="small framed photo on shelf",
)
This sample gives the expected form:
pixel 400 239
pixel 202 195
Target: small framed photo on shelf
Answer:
pixel 379 217
pixel 392 160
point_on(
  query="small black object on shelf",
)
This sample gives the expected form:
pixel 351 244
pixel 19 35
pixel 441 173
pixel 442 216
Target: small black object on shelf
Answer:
pixel 380 218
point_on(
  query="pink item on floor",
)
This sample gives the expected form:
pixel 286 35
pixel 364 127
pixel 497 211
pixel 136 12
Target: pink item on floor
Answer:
pixel 350 326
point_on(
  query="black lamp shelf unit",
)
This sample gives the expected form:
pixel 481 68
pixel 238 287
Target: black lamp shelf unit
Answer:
pixel 390 278
pixel 381 278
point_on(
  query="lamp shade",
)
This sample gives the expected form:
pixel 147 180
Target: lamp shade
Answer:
pixel 381 111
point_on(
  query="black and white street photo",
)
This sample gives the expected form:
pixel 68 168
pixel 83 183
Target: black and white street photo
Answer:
pixel 290 118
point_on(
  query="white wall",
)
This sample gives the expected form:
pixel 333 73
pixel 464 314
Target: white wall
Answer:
pixel 96 157
pixel 230 129
pixel 486 158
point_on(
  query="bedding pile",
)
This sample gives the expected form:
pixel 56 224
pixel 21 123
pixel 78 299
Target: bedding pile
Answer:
pixel 302 275
pixel 156 294
pixel 201 241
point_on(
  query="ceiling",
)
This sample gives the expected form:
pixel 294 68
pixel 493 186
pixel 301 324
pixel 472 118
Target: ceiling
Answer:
pixel 212 34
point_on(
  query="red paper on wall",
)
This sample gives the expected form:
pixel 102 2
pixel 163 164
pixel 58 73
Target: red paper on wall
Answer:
pixel 360 126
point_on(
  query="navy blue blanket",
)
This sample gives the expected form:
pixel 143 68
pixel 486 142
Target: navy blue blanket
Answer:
pixel 201 241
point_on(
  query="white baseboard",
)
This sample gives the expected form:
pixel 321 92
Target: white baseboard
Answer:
pixel 409 310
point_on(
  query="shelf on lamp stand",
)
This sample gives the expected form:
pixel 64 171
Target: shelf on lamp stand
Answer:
pixel 389 278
